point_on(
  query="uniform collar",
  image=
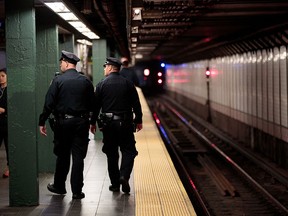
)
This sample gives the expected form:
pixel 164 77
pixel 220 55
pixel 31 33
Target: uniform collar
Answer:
pixel 114 73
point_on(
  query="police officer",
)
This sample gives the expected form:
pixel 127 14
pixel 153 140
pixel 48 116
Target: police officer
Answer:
pixel 128 72
pixel 117 98
pixel 70 99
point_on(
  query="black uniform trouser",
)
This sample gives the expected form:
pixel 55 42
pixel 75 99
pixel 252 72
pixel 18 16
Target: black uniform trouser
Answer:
pixel 4 135
pixel 119 134
pixel 70 137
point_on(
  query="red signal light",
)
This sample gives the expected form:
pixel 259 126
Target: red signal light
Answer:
pixel 207 72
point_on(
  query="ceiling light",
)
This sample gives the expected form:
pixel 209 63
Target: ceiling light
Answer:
pixel 134 29
pixel 81 27
pixel 91 35
pixel 138 56
pixel 71 18
pixel 68 16
pixel 57 7
pixel 85 42
pixel 137 11
pixel 134 39
pixel 136 15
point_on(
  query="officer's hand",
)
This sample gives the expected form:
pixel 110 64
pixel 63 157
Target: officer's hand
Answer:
pixel 2 110
pixel 139 127
pixel 43 130
pixel 93 128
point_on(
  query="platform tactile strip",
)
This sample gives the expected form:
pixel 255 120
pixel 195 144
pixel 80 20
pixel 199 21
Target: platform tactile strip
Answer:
pixel 158 188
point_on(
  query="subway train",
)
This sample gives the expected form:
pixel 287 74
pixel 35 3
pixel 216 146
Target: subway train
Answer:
pixel 151 75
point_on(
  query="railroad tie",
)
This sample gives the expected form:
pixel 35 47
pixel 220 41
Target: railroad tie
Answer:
pixel 222 183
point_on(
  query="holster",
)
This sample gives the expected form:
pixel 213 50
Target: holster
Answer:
pixel 52 123
pixel 103 120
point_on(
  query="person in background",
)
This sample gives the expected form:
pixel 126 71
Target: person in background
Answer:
pixel 3 116
pixel 70 99
pixel 118 99
pixel 128 72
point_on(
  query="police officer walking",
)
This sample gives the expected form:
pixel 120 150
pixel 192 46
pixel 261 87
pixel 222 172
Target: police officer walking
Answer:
pixel 70 99
pixel 128 72
pixel 117 98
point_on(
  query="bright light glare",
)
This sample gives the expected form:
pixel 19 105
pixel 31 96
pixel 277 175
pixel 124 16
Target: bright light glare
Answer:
pixel 159 74
pixel 146 72
pixel 137 11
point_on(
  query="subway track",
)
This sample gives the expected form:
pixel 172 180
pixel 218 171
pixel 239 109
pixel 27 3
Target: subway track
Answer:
pixel 221 176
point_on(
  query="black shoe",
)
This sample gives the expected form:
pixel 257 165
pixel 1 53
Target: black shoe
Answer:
pixel 125 185
pixel 78 196
pixel 52 189
pixel 114 188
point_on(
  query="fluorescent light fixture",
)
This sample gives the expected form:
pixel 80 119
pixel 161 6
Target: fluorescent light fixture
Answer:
pixel 85 42
pixel 91 35
pixel 134 39
pixel 133 51
pixel 57 7
pixel 138 56
pixel 68 16
pixel 72 19
pixel 79 26
pixel 136 15
pixel 135 29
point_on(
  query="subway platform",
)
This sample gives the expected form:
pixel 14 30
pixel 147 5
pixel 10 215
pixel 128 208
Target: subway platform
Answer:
pixel 156 188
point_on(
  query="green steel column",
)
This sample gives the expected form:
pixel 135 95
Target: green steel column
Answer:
pixel 99 55
pixel 47 65
pixel 22 121
pixel 67 43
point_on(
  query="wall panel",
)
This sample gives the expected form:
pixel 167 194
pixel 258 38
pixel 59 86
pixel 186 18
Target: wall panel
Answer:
pixel 270 89
pixel 276 85
pixel 283 91
pixel 265 90
pixel 250 87
pixel 259 74
pixel 283 85
pixel 254 89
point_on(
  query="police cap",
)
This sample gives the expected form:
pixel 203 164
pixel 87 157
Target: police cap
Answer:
pixel 69 57
pixel 112 61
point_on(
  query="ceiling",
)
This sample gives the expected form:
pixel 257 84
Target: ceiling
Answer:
pixel 183 31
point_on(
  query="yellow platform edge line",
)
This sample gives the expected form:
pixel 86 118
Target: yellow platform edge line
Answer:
pixel 158 188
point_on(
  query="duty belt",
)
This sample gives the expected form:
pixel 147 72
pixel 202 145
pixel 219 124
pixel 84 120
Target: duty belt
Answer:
pixel 114 116
pixel 68 116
